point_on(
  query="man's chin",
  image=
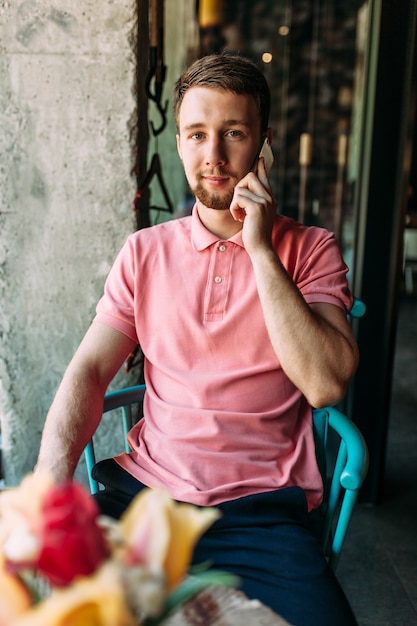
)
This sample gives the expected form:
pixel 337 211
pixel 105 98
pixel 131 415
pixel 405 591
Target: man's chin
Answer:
pixel 213 201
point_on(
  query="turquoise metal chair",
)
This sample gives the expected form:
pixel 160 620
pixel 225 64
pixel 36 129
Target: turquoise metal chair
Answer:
pixel 341 452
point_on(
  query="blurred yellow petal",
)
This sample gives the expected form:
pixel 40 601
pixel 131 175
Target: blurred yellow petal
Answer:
pixel 96 601
pixel 161 534
pixel 187 524
pixel 145 529
pixel 14 597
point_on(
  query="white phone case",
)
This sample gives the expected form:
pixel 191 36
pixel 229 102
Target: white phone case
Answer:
pixel 267 154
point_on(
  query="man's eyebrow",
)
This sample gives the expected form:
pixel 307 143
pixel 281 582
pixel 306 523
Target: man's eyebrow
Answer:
pixel 231 122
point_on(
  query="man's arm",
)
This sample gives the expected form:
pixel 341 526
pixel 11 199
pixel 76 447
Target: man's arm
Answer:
pixel 78 405
pixel 314 344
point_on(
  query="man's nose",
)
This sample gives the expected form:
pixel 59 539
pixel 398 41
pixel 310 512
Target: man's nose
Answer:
pixel 215 154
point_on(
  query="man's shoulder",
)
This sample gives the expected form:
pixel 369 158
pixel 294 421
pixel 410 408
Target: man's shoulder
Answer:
pixel 168 230
pixel 298 231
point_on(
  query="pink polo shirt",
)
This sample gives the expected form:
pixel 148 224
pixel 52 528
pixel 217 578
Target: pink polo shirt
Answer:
pixel 222 420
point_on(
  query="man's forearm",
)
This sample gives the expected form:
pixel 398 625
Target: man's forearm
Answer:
pixel 71 421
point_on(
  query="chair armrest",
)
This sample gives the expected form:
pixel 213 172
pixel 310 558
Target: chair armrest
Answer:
pixel 356 466
pixel 123 397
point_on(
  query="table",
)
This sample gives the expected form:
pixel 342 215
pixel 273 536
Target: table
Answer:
pixel 222 606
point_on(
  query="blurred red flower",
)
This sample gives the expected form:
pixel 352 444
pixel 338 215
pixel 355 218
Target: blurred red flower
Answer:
pixel 72 543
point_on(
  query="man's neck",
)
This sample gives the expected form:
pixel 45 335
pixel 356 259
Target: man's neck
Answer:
pixel 218 222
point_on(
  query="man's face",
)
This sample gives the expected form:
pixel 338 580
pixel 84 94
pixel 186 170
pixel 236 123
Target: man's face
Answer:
pixel 218 141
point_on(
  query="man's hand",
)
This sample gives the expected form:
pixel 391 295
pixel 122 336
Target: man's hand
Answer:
pixel 254 205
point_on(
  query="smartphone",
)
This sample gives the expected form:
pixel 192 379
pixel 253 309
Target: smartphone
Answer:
pixel 267 154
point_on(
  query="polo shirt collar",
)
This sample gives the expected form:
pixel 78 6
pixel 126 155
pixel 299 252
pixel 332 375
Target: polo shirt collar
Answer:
pixel 202 238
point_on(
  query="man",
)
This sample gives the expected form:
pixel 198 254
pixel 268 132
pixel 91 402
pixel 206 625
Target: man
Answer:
pixel 241 315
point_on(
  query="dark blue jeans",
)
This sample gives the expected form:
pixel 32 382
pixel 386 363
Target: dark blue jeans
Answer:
pixel 266 540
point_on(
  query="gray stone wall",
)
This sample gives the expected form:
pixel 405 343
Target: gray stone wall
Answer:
pixel 66 100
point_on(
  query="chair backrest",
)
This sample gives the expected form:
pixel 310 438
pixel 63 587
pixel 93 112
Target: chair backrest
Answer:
pixel 122 399
pixel 342 479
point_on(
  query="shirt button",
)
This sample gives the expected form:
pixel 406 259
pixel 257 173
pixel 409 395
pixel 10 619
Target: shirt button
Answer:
pixel 222 247
pixel 218 279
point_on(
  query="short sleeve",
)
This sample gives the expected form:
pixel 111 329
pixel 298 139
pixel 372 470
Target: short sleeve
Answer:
pixel 313 259
pixel 116 307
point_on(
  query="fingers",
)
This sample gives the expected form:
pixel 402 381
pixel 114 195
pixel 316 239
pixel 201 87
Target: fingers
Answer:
pixel 252 193
pixel 248 202
pixel 254 205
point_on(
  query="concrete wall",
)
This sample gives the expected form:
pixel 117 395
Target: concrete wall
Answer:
pixel 66 100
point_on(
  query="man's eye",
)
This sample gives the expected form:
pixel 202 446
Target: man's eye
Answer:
pixel 234 133
pixel 197 136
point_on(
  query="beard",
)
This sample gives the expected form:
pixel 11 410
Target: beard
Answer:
pixel 220 202
pixel 217 201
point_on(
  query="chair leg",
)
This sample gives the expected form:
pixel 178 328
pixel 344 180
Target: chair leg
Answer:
pixel 342 526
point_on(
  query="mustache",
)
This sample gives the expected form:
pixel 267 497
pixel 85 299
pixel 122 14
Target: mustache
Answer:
pixel 218 171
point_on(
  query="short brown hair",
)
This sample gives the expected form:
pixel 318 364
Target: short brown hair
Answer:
pixel 229 72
